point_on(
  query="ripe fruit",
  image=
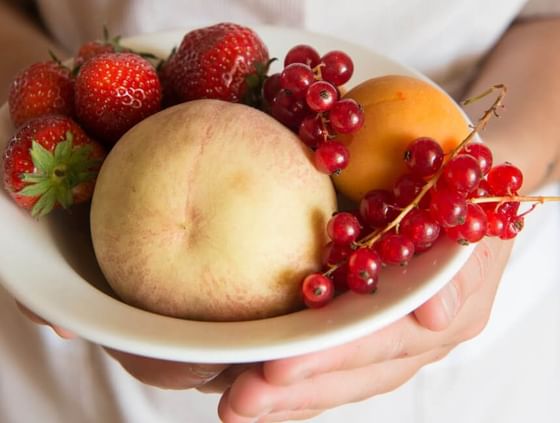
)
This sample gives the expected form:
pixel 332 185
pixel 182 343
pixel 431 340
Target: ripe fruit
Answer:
pixel 317 289
pixel 397 109
pixel 50 162
pixel 214 62
pixel 115 91
pixel 343 228
pixel 41 89
pixel 504 179
pixel 202 224
pixel 364 266
pixel 423 156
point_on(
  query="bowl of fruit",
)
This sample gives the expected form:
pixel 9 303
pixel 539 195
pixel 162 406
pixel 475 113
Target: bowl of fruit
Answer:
pixel 184 196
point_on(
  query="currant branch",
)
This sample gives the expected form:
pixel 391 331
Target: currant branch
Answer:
pixel 370 239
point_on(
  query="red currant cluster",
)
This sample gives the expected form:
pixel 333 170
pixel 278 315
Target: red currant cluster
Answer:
pixel 305 97
pixel 465 198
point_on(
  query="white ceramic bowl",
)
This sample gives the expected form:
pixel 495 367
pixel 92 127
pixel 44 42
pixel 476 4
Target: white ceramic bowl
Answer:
pixel 49 266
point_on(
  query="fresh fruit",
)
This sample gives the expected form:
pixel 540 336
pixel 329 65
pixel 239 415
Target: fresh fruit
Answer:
pixel 318 290
pixel 397 109
pixel 212 217
pixel 115 91
pixel 41 89
pixel 214 62
pixel 306 100
pixel 50 162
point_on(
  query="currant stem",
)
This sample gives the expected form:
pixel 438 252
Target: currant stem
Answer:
pixel 516 198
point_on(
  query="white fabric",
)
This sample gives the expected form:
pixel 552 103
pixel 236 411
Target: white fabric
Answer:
pixel 510 373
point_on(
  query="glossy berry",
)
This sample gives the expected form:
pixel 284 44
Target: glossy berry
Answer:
pixel 214 62
pixel 337 255
pixel 41 89
pixel 377 208
pixel 473 229
pixel 312 131
pixel 423 156
pixel 462 173
pixel 504 179
pixel 317 290
pixel 496 223
pixel 346 116
pixel 406 188
pixel 481 153
pixel 364 266
pixel 302 53
pixel 420 227
pixel 395 249
pixel 513 227
pixel 448 207
pixel 321 96
pixel 115 91
pixel 271 86
pixel 297 78
pixel 337 67
pixel 331 157
pixel 343 228
pixel 49 163
pixel 288 109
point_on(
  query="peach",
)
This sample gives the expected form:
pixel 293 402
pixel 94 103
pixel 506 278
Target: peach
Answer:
pixel 210 211
pixel 397 110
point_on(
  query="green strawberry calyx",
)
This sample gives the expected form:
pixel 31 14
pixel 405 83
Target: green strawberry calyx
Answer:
pixel 57 173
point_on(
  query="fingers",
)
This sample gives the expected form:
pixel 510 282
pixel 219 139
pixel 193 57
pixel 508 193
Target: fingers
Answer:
pixel 63 333
pixel 407 337
pixel 225 379
pixel 166 374
pixel 252 397
pixel 488 259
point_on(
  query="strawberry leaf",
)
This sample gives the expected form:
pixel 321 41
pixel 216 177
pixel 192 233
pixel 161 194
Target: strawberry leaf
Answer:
pixel 42 158
pixel 45 204
pixel 63 150
pixel 36 189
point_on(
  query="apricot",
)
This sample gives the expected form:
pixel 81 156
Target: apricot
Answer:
pixel 397 110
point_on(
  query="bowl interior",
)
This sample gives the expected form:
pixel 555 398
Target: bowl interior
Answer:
pixel 50 266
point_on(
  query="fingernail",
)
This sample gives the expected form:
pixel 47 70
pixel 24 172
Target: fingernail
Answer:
pixel 450 301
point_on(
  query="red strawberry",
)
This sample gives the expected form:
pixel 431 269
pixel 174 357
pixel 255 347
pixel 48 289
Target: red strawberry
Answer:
pixel 92 49
pixel 213 62
pixel 40 89
pixel 50 162
pixel 115 91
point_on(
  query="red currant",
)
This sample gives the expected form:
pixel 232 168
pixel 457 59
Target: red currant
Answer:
pixel 474 228
pixel 423 156
pixel 302 53
pixel 395 249
pixel 346 116
pixel 420 227
pixel 377 208
pixel 331 157
pixel 448 207
pixel 496 223
pixel 338 67
pixel 288 110
pixel 462 173
pixel 317 290
pixel 337 255
pixel 406 188
pixel 513 227
pixel 343 228
pixel 481 153
pixel 297 78
pixel 504 179
pixel 271 86
pixel 321 96
pixel 312 131
pixel 364 266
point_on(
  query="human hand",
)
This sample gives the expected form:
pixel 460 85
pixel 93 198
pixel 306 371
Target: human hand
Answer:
pixel 301 387
pixel 160 373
